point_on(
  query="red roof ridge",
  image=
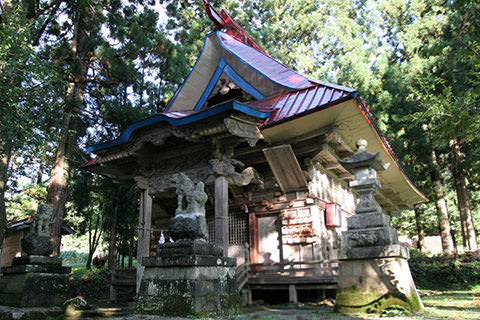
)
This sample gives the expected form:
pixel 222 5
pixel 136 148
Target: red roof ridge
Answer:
pixel 224 22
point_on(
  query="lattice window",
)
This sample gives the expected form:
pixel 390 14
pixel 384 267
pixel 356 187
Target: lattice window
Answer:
pixel 211 228
pixel 238 228
pixel 238 232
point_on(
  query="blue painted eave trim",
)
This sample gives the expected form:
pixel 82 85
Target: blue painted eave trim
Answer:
pixel 177 122
pixel 223 66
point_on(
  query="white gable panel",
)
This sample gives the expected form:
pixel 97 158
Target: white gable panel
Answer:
pixel 199 77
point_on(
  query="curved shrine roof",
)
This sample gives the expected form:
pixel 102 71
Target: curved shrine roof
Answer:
pixel 279 96
pixel 263 64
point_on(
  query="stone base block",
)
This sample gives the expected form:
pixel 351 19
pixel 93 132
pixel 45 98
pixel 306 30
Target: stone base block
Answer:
pixel 33 289
pixel 188 253
pixel 34 281
pixel 368 220
pixel 369 237
pixel 389 251
pixel 38 260
pixel 188 247
pixel 372 285
pixel 180 285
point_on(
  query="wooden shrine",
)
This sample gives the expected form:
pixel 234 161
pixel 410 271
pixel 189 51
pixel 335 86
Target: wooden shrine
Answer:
pixel 266 142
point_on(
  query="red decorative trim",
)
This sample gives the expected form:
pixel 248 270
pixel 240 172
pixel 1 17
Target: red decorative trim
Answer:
pixel 224 22
pixel 253 224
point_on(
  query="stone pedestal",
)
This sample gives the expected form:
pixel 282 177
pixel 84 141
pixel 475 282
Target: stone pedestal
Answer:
pixel 187 277
pixel 374 272
pixel 34 281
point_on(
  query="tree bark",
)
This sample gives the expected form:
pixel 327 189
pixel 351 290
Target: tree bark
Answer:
pixel 469 236
pixel 420 230
pixel 94 239
pixel 57 188
pixel 5 158
pixel 441 205
pixel 112 249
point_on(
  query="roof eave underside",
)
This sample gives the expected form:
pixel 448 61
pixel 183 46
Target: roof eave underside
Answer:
pixel 354 121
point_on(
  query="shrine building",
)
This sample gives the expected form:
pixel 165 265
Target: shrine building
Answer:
pixel 265 140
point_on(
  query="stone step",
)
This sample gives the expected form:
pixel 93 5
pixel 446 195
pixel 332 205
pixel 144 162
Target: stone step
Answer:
pixel 123 282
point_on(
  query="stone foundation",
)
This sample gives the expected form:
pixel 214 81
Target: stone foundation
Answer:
pixel 374 273
pixel 187 277
pixel 34 281
pixel 372 285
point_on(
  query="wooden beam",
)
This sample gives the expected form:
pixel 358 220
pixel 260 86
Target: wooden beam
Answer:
pixel 333 166
pixel 144 226
pixel 285 168
pixel 323 133
pixel 345 176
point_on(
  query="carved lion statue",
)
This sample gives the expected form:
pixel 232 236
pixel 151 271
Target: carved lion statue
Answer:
pixel 42 220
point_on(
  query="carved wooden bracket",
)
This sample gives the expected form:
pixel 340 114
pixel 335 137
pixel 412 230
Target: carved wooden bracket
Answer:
pixel 228 169
pixel 243 129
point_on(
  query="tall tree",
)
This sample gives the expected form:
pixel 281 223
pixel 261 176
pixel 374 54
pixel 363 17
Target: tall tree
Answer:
pixel 28 88
pixel 107 50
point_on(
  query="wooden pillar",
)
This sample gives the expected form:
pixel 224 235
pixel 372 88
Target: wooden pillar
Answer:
pixel 221 213
pixel 292 294
pixel 253 227
pixel 144 226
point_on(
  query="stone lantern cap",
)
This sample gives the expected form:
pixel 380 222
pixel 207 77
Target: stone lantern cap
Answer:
pixel 362 158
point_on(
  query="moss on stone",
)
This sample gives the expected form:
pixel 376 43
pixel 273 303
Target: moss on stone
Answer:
pixel 352 301
pixel 178 305
pixel 230 302
pixel 415 302
pixel 171 305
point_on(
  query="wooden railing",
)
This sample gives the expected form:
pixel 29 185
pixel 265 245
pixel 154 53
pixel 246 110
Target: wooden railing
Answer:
pixel 299 272
pixel 241 275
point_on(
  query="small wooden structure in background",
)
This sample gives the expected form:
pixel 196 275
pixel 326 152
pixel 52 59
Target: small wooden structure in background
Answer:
pixel 16 230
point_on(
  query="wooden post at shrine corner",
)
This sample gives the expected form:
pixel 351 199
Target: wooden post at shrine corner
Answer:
pixel 221 213
pixel 144 227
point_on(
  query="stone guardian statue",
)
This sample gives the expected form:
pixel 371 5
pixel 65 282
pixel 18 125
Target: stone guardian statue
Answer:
pixel 37 241
pixel 189 222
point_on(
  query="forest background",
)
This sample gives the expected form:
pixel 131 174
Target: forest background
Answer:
pixel 77 72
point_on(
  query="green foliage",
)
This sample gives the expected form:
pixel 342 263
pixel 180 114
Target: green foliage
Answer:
pixel 74 259
pixel 445 272
pixel 24 204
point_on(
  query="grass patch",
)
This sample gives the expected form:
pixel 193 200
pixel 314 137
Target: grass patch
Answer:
pixel 79 273
pixel 452 305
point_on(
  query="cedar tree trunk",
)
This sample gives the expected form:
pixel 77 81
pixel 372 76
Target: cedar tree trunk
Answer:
pixel 469 235
pixel 112 248
pixel 441 205
pixel 4 163
pixel 57 188
pixel 420 230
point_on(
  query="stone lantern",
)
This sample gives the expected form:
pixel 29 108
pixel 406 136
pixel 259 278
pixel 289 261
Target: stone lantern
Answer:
pixel 374 272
